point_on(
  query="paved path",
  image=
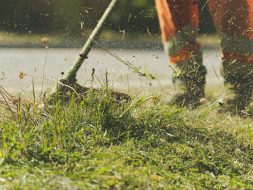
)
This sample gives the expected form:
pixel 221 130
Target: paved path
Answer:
pixel 32 61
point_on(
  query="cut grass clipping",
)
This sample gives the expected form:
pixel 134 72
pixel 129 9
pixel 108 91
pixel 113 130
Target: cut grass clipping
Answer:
pixel 98 143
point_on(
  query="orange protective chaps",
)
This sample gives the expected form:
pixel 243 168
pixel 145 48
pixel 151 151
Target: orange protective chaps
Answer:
pixel 179 20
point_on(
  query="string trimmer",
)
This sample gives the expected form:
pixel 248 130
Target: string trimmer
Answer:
pixel 69 83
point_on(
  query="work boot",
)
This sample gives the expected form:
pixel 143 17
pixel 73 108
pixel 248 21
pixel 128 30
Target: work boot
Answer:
pixel 192 79
pixel 239 77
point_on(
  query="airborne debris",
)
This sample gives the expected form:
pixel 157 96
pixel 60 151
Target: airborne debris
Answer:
pixel 45 40
pixel 22 75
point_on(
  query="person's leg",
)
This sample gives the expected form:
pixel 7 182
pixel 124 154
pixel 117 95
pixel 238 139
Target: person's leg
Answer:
pixel 179 22
pixel 234 21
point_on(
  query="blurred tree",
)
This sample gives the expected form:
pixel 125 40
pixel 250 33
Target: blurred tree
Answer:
pixel 66 16
pixel 71 17
pixel 135 16
pixel 24 15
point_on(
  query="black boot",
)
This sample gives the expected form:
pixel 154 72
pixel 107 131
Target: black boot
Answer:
pixel 240 79
pixel 192 79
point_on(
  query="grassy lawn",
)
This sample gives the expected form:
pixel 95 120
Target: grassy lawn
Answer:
pixel 101 144
pixel 59 40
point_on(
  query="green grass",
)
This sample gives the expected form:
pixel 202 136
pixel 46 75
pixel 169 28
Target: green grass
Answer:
pixel 101 144
pixel 60 40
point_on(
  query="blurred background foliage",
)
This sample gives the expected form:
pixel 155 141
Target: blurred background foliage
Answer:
pixel 72 17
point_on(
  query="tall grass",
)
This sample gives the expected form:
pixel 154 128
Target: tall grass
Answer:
pixel 100 143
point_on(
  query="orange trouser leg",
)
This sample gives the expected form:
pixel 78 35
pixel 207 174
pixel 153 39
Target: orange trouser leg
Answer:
pixel 234 21
pixel 179 21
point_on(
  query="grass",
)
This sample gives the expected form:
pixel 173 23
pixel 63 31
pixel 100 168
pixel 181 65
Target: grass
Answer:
pixel 31 40
pixel 101 144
